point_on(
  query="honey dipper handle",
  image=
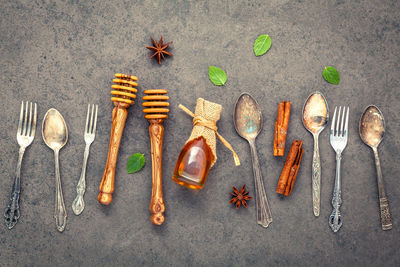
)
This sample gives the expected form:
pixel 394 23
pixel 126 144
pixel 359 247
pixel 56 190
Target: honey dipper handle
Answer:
pixel 107 184
pixel 157 206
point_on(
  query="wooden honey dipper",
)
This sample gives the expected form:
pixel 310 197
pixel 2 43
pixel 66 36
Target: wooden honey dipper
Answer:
pixel 156 108
pixel 123 91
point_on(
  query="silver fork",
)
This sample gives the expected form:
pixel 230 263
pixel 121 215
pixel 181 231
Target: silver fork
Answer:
pixel 90 130
pixel 338 140
pixel 25 134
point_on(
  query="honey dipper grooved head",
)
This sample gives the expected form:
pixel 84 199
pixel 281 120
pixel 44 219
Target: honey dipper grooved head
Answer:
pixel 155 104
pixel 124 89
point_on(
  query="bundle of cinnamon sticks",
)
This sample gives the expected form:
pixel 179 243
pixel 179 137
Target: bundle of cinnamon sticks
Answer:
pixel 281 127
pixel 290 169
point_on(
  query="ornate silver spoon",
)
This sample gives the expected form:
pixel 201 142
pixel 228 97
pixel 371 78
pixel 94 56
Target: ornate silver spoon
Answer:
pixel 372 128
pixel 55 135
pixel 248 123
pixel 315 118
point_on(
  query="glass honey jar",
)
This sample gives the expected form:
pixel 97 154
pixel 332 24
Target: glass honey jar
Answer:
pixel 194 163
pixel 199 153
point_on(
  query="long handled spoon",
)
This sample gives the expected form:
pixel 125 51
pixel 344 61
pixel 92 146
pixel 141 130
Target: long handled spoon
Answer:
pixel 248 123
pixel 315 118
pixel 372 128
pixel 55 135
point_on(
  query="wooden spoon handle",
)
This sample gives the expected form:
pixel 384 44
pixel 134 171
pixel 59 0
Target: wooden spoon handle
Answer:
pixel 107 183
pixel 157 206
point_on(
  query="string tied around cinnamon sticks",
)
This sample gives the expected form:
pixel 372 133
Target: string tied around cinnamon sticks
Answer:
pixel 200 120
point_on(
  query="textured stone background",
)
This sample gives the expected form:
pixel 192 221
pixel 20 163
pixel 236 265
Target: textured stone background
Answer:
pixel 63 54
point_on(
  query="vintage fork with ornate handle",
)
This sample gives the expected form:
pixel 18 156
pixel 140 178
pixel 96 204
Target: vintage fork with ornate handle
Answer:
pixel 338 139
pixel 90 132
pixel 25 134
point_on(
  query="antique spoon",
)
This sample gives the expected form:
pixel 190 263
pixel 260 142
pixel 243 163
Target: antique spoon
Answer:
pixel 55 135
pixel 372 128
pixel 315 118
pixel 248 123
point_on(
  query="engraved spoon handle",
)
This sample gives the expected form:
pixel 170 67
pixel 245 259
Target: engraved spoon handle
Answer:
pixel 12 213
pixel 60 213
pixel 78 205
pixel 316 178
pixel 264 217
pixel 335 220
pixel 386 219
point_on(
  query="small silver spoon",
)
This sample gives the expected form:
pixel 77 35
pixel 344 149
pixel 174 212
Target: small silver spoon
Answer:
pixel 372 128
pixel 248 123
pixel 55 135
pixel 315 118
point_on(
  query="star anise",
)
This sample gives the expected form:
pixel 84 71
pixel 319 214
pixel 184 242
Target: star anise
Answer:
pixel 240 196
pixel 159 49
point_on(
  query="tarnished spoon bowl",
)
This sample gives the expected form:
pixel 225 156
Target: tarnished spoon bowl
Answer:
pixel 248 123
pixel 315 113
pixel 372 126
pixel 372 129
pixel 248 117
pixel 315 118
pixel 54 129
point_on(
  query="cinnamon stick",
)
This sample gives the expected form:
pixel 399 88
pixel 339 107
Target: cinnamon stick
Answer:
pixel 290 169
pixel 281 127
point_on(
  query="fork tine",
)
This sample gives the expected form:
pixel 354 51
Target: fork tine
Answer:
pixel 25 119
pixel 342 124
pixel 333 123
pixel 87 119
pixel 338 122
pixel 91 120
pixel 34 121
pixel 28 132
pixel 95 121
pixel 21 116
pixel 346 127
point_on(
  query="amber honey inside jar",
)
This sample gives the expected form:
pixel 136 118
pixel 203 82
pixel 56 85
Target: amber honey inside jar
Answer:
pixel 194 163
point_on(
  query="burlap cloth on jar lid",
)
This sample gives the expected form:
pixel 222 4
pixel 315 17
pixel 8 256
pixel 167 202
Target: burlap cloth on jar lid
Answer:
pixel 204 124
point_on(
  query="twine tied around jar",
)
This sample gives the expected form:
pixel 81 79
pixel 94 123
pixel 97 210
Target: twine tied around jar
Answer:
pixel 205 124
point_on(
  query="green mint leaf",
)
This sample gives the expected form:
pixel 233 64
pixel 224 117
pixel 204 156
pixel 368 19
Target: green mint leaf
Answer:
pixel 216 75
pixel 262 44
pixel 331 75
pixel 135 163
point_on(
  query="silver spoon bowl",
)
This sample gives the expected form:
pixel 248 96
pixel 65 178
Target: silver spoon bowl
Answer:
pixel 248 123
pixel 55 135
pixel 315 118
pixel 372 129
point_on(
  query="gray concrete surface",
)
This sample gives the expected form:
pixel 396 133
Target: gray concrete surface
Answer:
pixel 63 54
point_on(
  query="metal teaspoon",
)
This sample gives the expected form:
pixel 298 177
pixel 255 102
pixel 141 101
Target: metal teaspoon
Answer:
pixel 55 135
pixel 248 123
pixel 372 128
pixel 315 118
